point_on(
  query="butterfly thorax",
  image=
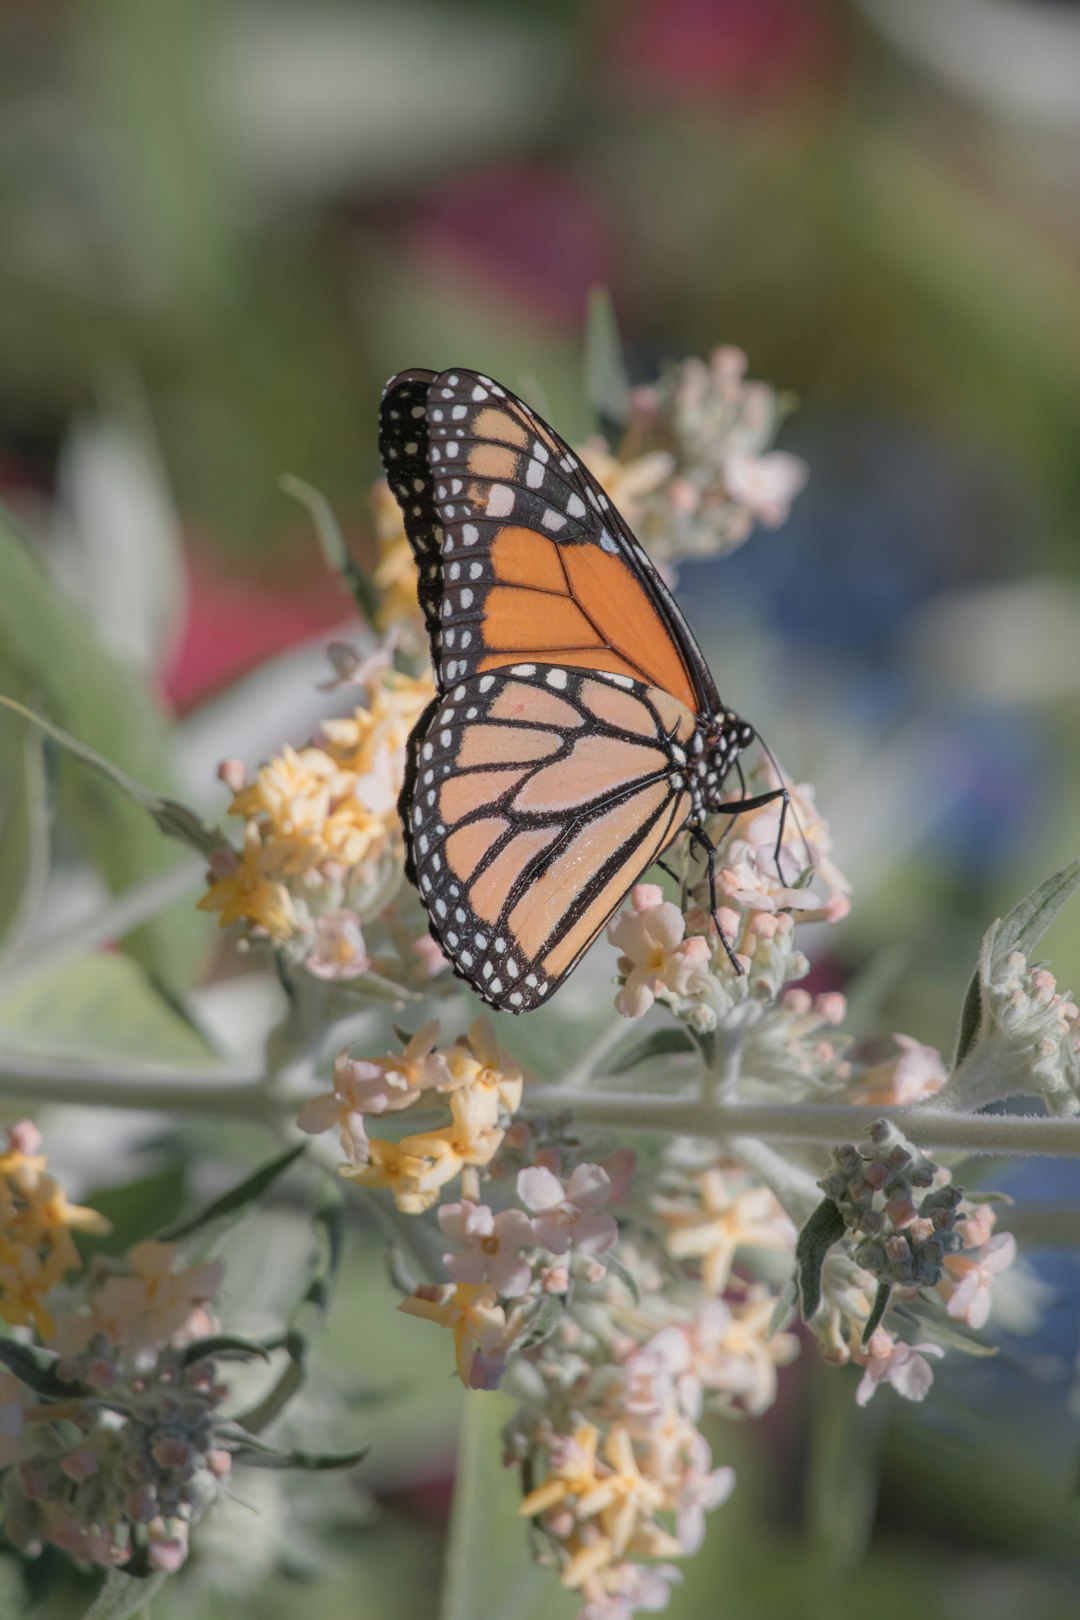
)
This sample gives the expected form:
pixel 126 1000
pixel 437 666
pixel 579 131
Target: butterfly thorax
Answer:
pixel 715 746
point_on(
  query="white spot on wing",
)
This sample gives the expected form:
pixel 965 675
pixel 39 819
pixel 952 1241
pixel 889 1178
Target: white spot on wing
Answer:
pixel 500 501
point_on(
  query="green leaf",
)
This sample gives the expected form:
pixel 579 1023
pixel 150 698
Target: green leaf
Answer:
pixel 37 1370
pixel 607 387
pixel 133 1209
pixel 238 1199
pixel 613 1264
pixel 222 1344
pixel 48 649
pixel 487 1575
pixel 102 1006
pixel 661 1043
pixel 933 1318
pixel 787 1304
pixel 877 1312
pixel 311 1311
pixel 824 1228
pixel 24 831
pixel 254 1453
pixel 171 817
pixel 332 542
pixel 1020 930
pixel 123 1596
pixel 843 1469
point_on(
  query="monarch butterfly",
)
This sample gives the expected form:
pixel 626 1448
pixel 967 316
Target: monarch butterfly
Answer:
pixel 576 729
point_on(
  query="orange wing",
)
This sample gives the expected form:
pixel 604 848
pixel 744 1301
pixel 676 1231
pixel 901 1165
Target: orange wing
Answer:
pixel 521 553
pixel 534 797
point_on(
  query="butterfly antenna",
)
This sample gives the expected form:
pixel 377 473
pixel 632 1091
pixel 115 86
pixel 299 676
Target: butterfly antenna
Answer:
pixel 786 807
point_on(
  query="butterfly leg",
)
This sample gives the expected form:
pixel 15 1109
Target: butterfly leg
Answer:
pixel 709 847
pixel 736 807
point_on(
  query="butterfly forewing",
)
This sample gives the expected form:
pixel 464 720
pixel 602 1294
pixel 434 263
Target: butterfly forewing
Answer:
pixel 403 446
pixel 535 559
pixel 534 797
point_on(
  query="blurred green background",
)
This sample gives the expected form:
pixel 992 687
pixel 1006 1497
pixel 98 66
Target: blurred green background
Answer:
pixel 225 224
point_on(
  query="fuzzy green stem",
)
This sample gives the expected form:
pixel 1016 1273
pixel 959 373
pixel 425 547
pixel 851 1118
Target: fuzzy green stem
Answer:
pixel 829 1123
pixel 31 1081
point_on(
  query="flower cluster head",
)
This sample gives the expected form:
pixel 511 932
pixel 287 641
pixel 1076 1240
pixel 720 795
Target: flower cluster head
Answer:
pixel 36 1223
pixel 1040 1027
pixel 875 1187
pixel 508 1265
pixel 111 1451
pixel 472 1079
pixel 609 1429
pixel 694 471
pixel 321 851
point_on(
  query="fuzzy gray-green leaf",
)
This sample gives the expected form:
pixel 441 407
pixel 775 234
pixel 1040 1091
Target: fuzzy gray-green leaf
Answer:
pixel 824 1228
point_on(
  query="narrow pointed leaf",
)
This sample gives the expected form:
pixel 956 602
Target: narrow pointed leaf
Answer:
pixel 223 1344
pixel 238 1198
pixel 661 1043
pixel 824 1228
pixel 37 1370
pixel 606 383
pixel 24 832
pixel 332 543
pixel 880 1306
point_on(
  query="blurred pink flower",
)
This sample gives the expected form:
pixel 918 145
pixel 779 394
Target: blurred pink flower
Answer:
pixel 972 1297
pixel 891 1361
pixel 492 1245
pixel 338 950
pixel 534 235
pixel 687 47
pixel 572 1213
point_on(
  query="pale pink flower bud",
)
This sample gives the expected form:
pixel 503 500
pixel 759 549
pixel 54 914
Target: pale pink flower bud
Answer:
pixel 24 1137
pixel 555 1279
pixel 233 772
pixel 832 1006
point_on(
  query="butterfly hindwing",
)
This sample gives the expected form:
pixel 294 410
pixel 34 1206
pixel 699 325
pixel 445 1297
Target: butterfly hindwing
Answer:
pixel 534 797
pixel 533 558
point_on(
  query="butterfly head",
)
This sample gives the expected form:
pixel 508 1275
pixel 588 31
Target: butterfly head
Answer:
pixel 717 744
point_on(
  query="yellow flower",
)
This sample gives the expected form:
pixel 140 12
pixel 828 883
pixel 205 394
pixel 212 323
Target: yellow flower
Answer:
pixel 247 894
pixel 470 1311
pixel 751 1356
pixel 412 1177
pixel 624 1496
pixel 629 483
pixel 395 575
pixel 48 1217
pixel 36 1221
pixel 372 740
pixel 727 1221
pixel 573 1476
pixel 24 1281
pixel 472 1139
pixel 478 1063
